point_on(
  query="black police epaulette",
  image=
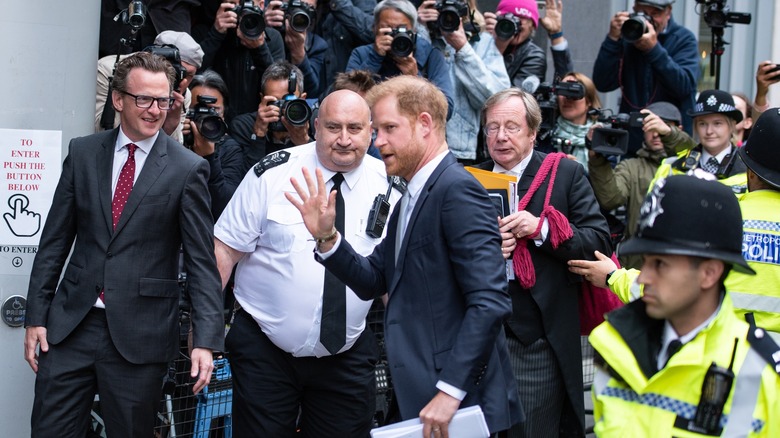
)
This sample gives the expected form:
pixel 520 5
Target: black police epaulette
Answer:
pixel 764 345
pixel 270 161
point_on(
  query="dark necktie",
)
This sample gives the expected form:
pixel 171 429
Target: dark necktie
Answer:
pixel 123 188
pixel 672 349
pixel 124 185
pixel 711 166
pixel 333 329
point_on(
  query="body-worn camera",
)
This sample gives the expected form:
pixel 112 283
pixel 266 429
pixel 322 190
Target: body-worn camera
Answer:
pixel 636 26
pixel 299 14
pixel 207 119
pixel 507 26
pixel 404 42
pixel 450 13
pixel 171 54
pixel 296 111
pixel 251 19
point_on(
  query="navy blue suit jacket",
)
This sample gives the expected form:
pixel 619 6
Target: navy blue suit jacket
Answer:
pixel 447 298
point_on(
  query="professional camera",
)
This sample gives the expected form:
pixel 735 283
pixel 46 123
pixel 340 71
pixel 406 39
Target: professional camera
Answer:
pixel 636 26
pixel 171 54
pixel 207 119
pixel 295 110
pixel 718 15
pixel 136 14
pixel 404 41
pixel 613 140
pixel 299 14
pixel 545 95
pixel 450 12
pixel 251 19
pixel 507 26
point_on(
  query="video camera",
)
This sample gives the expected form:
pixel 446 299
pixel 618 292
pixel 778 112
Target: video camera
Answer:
pixel 404 42
pixel 613 139
pixel 299 14
pixel 717 15
pixel 251 19
pixel 207 119
pixel 545 94
pixel 171 54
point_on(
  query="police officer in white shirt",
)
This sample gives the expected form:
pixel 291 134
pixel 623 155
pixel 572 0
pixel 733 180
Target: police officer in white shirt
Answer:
pixel 285 350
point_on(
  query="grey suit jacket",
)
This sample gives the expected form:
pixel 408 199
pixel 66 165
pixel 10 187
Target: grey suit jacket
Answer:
pixel 447 298
pixel 136 264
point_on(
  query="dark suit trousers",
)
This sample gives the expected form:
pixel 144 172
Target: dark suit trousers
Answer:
pixel 87 362
pixel 334 395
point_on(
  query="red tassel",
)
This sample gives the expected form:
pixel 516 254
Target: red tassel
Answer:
pixel 560 229
pixel 524 267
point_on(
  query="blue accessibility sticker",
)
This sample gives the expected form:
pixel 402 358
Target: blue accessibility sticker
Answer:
pixel 761 247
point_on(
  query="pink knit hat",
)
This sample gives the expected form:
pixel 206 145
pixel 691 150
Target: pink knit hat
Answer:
pixel 520 8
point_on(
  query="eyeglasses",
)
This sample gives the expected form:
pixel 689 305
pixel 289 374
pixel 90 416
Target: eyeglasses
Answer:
pixel 509 130
pixel 164 103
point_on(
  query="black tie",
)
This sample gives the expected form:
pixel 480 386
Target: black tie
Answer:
pixel 333 329
pixel 672 349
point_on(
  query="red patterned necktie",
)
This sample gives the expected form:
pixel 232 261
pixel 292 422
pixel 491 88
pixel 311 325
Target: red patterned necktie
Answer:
pixel 123 188
pixel 125 185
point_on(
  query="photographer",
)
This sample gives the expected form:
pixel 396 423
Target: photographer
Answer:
pixel 512 27
pixel 476 68
pixel 396 50
pixel 662 64
pixel 305 49
pixel 267 130
pixel 344 25
pixel 191 58
pixel 240 50
pixel 224 154
pixel 573 122
pixel 627 184
pixel 715 121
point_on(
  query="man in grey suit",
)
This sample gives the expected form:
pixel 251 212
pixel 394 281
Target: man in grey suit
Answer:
pixel 440 265
pixel 129 198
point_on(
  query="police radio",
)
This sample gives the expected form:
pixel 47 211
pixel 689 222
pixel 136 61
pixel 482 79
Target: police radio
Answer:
pixel 377 217
pixel 714 392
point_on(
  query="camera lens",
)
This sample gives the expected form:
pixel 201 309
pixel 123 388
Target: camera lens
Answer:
pixel 449 20
pixel 506 28
pixel 252 24
pixel 633 28
pixel 211 128
pixel 402 45
pixel 297 112
pixel 300 21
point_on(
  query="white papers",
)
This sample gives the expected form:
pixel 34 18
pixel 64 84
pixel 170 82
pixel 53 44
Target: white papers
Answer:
pixel 467 423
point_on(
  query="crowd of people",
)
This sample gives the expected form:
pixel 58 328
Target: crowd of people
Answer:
pixel 297 160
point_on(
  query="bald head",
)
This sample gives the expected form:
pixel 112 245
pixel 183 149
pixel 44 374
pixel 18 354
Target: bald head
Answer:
pixel 343 131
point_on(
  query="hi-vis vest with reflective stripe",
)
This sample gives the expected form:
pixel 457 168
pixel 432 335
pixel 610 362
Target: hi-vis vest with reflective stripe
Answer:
pixel 737 183
pixel 636 405
pixel 759 293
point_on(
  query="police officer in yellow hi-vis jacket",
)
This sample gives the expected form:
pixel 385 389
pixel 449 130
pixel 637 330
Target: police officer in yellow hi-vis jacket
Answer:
pixel 760 294
pixel 679 362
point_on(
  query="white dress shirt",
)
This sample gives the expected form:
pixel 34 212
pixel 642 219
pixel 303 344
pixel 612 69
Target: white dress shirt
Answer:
pixel 278 281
